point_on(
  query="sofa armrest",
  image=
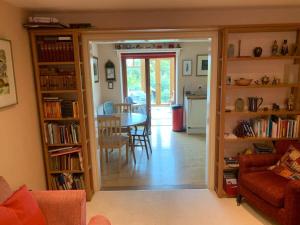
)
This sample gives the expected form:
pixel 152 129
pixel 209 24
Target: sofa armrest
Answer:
pixel 257 162
pixel 292 203
pixel 99 220
pixel 66 206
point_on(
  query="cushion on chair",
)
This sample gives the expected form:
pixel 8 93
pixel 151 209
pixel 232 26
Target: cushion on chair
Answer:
pixel 24 207
pixel 267 185
pixel 289 164
pixel 5 190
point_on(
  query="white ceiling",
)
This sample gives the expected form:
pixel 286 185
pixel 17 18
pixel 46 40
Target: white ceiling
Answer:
pixel 118 5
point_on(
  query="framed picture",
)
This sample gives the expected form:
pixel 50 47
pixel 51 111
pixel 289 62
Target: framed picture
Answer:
pixel 202 65
pixel 95 69
pixel 8 95
pixel 110 70
pixel 110 85
pixel 187 68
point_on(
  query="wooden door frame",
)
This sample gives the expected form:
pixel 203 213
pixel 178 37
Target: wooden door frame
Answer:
pixel 115 35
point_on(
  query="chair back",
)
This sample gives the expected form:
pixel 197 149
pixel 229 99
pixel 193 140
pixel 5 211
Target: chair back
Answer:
pixel 128 100
pixel 108 108
pixel 122 107
pixel 109 126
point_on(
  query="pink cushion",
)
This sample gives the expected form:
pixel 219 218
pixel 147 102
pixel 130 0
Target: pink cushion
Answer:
pixel 25 207
pixel 5 190
pixel 8 216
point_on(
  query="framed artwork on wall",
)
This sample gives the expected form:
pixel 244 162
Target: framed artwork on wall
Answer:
pixel 187 67
pixel 202 65
pixel 95 69
pixel 8 95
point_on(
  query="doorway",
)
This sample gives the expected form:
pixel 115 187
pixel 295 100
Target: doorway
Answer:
pixel 88 38
pixel 149 83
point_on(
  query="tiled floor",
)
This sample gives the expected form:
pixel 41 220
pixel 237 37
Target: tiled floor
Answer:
pixel 178 161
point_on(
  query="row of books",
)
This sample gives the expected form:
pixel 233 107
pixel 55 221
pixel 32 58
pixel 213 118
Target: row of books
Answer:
pixel 68 158
pixel 276 127
pixel 55 50
pixel 272 127
pixel 62 133
pixel 58 82
pixel 67 181
pixel 54 107
pixel 231 162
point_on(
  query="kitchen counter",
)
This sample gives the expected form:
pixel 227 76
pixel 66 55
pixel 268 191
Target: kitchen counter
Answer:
pixel 196 96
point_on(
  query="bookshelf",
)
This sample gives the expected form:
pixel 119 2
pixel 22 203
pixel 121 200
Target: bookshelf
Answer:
pixel 60 88
pixel 248 66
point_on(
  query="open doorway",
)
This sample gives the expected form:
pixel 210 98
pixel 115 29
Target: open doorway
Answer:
pixel 149 83
pixel 178 159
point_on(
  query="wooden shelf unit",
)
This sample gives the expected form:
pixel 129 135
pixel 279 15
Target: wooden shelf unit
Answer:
pixel 224 91
pixel 60 44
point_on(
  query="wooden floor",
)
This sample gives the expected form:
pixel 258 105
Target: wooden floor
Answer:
pixel 178 161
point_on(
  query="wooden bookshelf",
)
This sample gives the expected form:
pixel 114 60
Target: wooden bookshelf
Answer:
pixel 251 67
pixel 60 90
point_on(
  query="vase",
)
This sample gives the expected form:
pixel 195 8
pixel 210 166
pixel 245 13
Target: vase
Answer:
pixel 257 51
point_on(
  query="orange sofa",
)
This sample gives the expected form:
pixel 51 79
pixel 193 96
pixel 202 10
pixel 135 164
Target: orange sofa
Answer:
pixel 274 195
pixel 59 207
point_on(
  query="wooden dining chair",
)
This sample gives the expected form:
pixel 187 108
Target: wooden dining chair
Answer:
pixel 110 138
pixel 123 108
pixel 140 137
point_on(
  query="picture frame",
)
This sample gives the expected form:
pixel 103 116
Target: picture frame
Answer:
pixel 110 85
pixel 95 69
pixel 187 68
pixel 202 65
pixel 110 71
pixel 8 94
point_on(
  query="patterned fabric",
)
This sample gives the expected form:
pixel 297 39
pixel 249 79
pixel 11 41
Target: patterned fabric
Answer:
pixel 289 164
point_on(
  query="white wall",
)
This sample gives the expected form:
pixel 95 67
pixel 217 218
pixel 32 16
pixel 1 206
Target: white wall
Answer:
pixel 188 51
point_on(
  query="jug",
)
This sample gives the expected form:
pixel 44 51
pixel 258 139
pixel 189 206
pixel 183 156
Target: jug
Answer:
pixel 254 103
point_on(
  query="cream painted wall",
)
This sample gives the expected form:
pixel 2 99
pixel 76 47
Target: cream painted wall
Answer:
pixel 20 152
pixel 188 51
pixel 182 18
pixel 97 96
pixel 106 52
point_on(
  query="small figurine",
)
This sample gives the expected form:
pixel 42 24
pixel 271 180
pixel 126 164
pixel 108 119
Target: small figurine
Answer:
pixel 265 80
pixel 291 102
pixel 257 51
pixel 275 107
pixel 284 48
pixel 275 81
pixel 295 50
pixel 275 48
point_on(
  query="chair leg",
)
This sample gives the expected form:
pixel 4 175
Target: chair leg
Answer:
pixel 127 152
pixel 106 155
pixel 145 143
pixel 148 140
pixel 239 199
pixel 120 158
pixel 101 159
pixel 133 154
pixel 141 142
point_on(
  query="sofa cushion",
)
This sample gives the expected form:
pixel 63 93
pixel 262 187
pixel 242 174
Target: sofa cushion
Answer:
pixel 289 164
pixel 5 190
pixel 267 185
pixel 24 207
pixel 8 216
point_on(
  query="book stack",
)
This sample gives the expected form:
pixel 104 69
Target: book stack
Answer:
pixel 276 127
pixel 67 181
pixel 68 158
pixel 62 133
pixel 269 127
pixel 55 49
pixel 53 78
pixel 231 162
pixel 263 148
pixel 230 183
pixel 54 107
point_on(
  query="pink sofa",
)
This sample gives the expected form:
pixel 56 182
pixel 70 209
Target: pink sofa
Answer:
pixel 59 207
